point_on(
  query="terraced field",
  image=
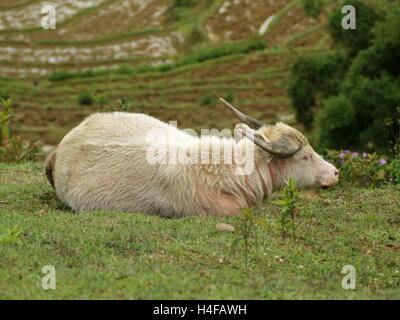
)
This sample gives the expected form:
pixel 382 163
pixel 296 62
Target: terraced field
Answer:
pixel 155 56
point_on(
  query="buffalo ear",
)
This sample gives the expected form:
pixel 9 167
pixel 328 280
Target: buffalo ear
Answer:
pixel 286 145
pixel 239 131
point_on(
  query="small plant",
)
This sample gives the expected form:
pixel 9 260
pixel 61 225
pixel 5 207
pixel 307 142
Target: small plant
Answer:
pixel 246 230
pixel 85 98
pixel 5 118
pixel 5 95
pixel 179 9
pixel 291 195
pixel 392 128
pixel 207 99
pixel 13 149
pixel 100 99
pixel 230 97
pixel 125 104
pixel 10 235
pixel 393 169
pixel 313 7
pixel 122 104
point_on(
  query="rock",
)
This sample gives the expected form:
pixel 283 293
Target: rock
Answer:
pixel 225 227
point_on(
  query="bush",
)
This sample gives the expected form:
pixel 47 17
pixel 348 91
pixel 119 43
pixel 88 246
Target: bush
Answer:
pixel 393 169
pixel 353 40
pixel 100 99
pixel 314 78
pixel 207 99
pixel 313 7
pixel 336 119
pixel 229 97
pixel 348 97
pixel 210 98
pixel 13 149
pixel 364 169
pixel 5 95
pixel 179 9
pixel 85 98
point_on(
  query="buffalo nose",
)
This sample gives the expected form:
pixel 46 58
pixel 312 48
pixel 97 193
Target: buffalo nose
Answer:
pixel 336 172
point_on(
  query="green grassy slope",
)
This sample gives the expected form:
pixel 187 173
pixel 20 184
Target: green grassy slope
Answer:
pixel 133 256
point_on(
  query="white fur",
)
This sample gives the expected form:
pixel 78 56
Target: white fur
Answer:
pixel 101 165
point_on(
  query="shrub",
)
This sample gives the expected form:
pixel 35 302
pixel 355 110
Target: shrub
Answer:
pixel 336 120
pixel 229 97
pixel 179 9
pixel 85 98
pixel 12 148
pixel 100 99
pixel 289 208
pixel 5 95
pixel 364 169
pixel 353 40
pixel 313 7
pixel 347 97
pixel 122 104
pixel 393 170
pixel 314 78
pixel 207 99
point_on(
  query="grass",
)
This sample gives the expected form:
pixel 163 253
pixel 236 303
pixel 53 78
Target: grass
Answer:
pixel 198 57
pixel 121 256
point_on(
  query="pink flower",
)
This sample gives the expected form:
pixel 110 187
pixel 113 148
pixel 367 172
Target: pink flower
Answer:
pixel 382 161
pixel 354 154
pixel 341 155
pixel 364 155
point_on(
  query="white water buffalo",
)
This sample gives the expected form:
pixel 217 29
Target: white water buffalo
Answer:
pixel 112 161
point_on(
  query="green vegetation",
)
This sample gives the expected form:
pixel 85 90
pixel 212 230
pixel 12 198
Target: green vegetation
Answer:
pixel 314 7
pixel 313 79
pixel 13 148
pixel 348 96
pixel 288 203
pixel 210 98
pixel 363 169
pixel 120 256
pixel 85 98
pixel 198 57
pixel 207 99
